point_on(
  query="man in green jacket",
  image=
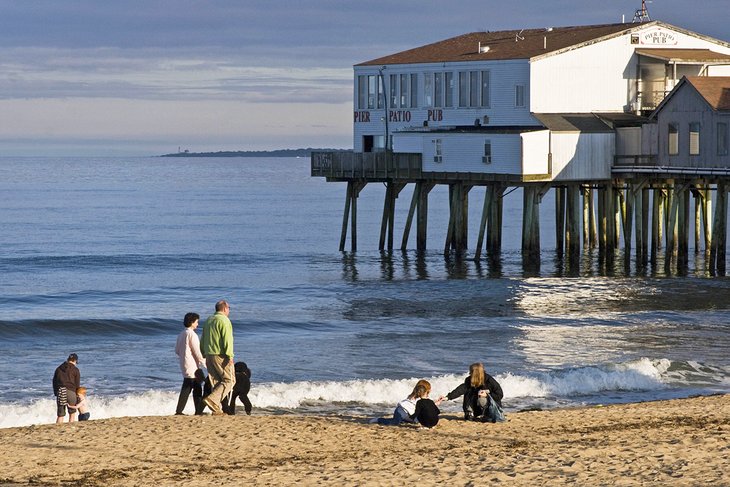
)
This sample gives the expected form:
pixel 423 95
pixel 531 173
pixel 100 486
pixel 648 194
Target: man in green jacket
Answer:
pixel 217 348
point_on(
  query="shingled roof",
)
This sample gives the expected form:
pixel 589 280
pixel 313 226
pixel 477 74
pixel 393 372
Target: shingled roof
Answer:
pixel 714 89
pixel 506 44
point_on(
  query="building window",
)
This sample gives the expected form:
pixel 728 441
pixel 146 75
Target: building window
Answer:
pixel 473 92
pixel 694 139
pixel 449 87
pixel 362 92
pixel 428 89
pixel 487 157
pixel 463 89
pixel 474 88
pixel 438 89
pixel 520 96
pixel 403 91
pixel 393 84
pixel 375 92
pixel 722 139
pixel 414 90
pixel 485 89
pixel 437 151
pixel 673 139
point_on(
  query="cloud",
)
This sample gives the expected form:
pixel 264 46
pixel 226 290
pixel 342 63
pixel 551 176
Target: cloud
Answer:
pixel 113 73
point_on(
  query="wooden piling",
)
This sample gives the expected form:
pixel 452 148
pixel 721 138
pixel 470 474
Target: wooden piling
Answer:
pixel 573 217
pixel 483 223
pixel 616 215
pixel 719 231
pixel 644 225
pixel 494 222
pixel 530 224
pixel 346 215
pixel 626 201
pixel 353 192
pixel 560 229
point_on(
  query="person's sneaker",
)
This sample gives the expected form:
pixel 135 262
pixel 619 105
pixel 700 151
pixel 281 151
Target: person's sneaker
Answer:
pixel 179 414
pixel 215 409
pixel 373 420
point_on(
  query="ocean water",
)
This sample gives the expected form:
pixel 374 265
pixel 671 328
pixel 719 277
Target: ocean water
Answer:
pixel 104 256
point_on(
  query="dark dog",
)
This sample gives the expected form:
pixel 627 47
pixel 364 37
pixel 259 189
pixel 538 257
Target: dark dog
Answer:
pixel 240 390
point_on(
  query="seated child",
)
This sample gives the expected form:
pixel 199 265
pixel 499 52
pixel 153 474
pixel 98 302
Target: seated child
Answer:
pixel 427 411
pixel 82 405
pixel 405 408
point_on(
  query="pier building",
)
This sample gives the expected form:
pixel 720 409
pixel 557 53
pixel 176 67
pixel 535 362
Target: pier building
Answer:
pixel 579 110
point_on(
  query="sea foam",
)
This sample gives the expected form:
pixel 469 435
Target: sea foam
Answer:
pixel 379 396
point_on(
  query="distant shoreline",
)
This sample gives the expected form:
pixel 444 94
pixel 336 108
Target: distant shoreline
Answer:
pixel 272 153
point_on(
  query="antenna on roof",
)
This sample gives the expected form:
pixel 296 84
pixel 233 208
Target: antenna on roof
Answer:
pixel 518 37
pixel 642 15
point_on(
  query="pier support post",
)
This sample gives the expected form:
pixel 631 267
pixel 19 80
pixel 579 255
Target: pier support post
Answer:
pixel 657 219
pixel 683 225
pixel 492 197
pixel 560 230
pixel 353 192
pixel 697 196
pixel 641 221
pixel 719 231
pixel 601 198
pixel 573 217
pixel 531 224
pixel 392 190
pixel 589 219
pixel 457 234
pixel 409 218
pixel 707 217
pixel 626 199
pixel 422 216
pixel 617 204
pixel 609 218
pixel 494 223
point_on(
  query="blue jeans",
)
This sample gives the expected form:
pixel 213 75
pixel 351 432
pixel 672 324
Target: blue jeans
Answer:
pixel 399 416
pixel 84 417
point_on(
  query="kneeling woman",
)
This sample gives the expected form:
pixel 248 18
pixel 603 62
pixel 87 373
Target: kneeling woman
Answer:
pixel 478 389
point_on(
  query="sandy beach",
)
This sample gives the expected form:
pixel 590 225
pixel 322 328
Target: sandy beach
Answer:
pixel 678 442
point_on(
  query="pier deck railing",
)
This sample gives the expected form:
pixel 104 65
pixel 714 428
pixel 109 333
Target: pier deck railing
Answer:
pixel 368 165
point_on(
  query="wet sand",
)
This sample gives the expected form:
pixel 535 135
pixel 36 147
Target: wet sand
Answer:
pixel 678 442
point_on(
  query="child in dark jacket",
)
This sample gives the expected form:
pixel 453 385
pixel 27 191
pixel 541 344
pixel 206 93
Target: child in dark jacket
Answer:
pixel 427 411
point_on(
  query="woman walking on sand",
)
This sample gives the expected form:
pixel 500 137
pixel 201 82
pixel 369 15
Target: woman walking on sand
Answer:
pixel 187 349
pixel 482 395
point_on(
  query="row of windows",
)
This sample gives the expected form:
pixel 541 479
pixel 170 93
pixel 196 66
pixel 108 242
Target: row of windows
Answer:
pixel 464 89
pixel 722 140
pixel 438 151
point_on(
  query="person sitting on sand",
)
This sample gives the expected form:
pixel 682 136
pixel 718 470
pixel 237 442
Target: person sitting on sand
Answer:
pixel 482 395
pixel 82 405
pixel 427 411
pixel 405 408
pixel 240 390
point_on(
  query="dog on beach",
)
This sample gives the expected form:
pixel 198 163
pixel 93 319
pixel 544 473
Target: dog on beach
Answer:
pixel 240 390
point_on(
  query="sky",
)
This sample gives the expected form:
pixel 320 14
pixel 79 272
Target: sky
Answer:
pixel 147 77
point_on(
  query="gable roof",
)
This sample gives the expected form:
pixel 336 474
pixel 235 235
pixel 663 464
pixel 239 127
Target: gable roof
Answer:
pixel 714 89
pixel 506 44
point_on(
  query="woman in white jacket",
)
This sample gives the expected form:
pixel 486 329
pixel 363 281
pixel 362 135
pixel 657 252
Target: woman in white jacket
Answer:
pixel 187 349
